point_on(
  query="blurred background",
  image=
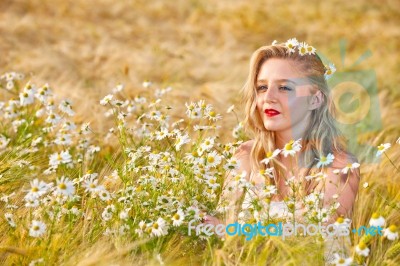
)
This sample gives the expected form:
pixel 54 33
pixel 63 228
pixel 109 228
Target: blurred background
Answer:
pixel 200 48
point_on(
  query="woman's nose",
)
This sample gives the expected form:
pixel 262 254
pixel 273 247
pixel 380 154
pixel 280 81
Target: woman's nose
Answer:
pixel 270 94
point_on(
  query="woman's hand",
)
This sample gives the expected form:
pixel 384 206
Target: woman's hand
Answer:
pixel 208 219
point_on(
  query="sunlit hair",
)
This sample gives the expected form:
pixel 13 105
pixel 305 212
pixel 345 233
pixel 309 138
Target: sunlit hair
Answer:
pixel 321 137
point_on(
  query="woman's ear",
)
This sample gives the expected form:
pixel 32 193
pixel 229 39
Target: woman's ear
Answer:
pixel 316 100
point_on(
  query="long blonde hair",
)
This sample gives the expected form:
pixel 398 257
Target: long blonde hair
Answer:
pixel 321 137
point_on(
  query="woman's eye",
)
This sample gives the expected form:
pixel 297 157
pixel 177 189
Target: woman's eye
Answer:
pixel 262 88
pixel 285 88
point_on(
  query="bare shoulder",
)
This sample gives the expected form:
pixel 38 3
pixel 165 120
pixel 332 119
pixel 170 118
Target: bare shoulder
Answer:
pixel 343 159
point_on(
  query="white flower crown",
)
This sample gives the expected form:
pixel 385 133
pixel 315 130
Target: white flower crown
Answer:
pixel 306 49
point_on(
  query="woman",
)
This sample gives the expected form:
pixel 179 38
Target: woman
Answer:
pixel 295 141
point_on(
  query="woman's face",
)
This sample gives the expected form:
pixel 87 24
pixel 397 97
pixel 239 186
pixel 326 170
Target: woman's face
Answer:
pixel 283 97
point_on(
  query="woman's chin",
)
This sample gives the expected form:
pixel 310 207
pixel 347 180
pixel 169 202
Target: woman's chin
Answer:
pixel 272 126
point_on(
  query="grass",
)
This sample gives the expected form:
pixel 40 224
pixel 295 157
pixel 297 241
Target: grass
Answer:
pixel 201 49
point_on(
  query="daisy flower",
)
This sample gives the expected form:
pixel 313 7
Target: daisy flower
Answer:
pixel 91 185
pixel 37 228
pixel 268 191
pixel 181 140
pixel 207 144
pixel 324 161
pixel 302 48
pixel 146 84
pixel 382 148
pixel 291 44
pixel 237 129
pixel 213 159
pixel 58 158
pixel 104 195
pixel 66 107
pixel 329 71
pixel 232 107
pixel 162 134
pixel 311 50
pixel 53 118
pixel 365 185
pixel 291 148
pixel 38 188
pixel 64 187
pixel 341 261
pixel 212 182
pixel 43 93
pixel 178 218
pixel 108 212
pixel 377 220
pixel 213 116
pixel 10 219
pixel 63 139
pixel 362 249
pixel 118 88
pixel 195 113
pixel 154 115
pixel 28 95
pixel 106 99
pixel 350 167
pixel 3 142
pixel 193 212
pixel 391 232
pixel 232 164
pixel 270 155
pixel 159 227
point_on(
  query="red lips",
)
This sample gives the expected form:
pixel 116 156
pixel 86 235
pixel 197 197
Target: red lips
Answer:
pixel 271 112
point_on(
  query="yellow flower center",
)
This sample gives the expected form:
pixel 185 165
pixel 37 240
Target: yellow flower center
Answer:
pixel 289 146
pixel 393 228
pixel 176 216
pixel 269 154
pixel 155 225
pixel 340 220
pixel 62 186
pixel 303 50
pixel 375 215
pixel 36 228
pixel 35 189
pixel 210 159
pixel 381 147
pixel 362 245
pixel 341 260
pixel 323 159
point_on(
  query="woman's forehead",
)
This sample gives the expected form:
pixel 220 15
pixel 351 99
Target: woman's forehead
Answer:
pixel 279 69
pixel 282 70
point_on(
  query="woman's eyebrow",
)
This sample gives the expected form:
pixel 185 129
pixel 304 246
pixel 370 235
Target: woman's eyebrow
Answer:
pixel 278 80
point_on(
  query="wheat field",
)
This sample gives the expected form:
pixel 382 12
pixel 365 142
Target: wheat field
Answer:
pixel 102 157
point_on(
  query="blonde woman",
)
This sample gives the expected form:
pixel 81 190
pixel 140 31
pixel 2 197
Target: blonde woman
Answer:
pixel 289 111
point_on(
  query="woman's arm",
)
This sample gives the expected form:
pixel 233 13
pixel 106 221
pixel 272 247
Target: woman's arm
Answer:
pixel 343 187
pixel 231 192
